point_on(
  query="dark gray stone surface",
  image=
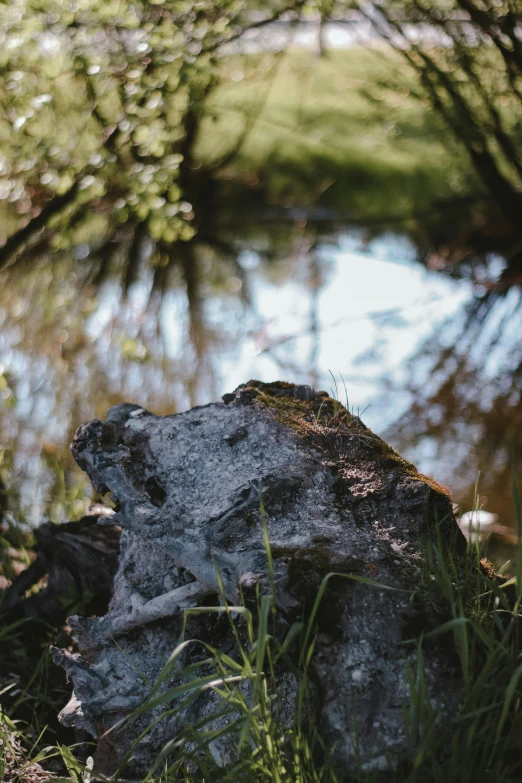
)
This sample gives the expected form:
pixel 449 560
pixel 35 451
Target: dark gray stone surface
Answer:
pixel 188 488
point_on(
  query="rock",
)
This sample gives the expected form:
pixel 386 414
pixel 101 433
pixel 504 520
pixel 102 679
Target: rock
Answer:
pixel 188 490
pixel 78 560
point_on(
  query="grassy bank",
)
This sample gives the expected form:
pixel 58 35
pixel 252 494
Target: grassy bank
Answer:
pixel 351 129
pixel 478 619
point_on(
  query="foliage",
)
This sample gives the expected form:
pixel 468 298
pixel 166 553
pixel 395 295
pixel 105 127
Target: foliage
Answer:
pixel 98 104
pixel 468 55
pixel 98 145
pixel 99 142
pixel 115 317
pixel 477 743
pixel 110 111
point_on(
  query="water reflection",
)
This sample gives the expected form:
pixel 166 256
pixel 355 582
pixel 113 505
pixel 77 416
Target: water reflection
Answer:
pixel 295 301
pixel 465 416
pixel 336 230
pixel 429 351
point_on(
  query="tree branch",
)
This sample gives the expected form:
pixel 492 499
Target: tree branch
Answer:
pixel 17 240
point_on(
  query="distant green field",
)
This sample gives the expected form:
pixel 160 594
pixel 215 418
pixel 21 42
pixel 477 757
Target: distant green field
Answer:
pixel 352 125
pixel 350 131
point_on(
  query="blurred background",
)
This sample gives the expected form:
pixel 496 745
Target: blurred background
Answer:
pixel 193 194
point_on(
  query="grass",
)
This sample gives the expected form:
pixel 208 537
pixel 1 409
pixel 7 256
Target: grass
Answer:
pixel 351 129
pixel 32 690
pixel 477 620
pixel 479 742
pixel 18 762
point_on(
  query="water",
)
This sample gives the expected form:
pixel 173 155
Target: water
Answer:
pixel 349 316
pixel 354 316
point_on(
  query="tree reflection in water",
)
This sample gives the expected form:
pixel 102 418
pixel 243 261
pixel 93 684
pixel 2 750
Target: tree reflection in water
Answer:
pixel 84 330
pixel 107 300
pixel 465 417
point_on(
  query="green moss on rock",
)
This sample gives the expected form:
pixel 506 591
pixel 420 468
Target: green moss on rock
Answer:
pixel 318 417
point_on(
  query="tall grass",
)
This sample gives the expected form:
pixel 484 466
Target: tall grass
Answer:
pixel 480 740
pixel 251 736
pixel 250 729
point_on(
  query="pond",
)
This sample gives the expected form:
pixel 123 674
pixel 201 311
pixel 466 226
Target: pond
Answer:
pixel 341 238
pixel 427 359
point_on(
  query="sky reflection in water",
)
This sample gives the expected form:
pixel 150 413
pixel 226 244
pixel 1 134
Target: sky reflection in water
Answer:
pixel 344 308
pixel 368 315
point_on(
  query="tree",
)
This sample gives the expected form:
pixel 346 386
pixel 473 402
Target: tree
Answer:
pixel 468 55
pixel 101 110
